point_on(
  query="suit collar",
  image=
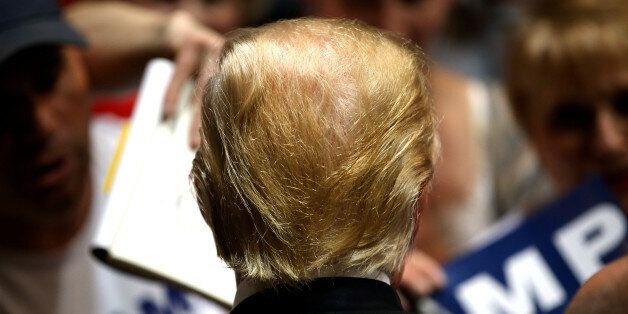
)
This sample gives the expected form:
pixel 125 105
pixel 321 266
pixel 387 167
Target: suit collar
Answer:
pixel 324 295
pixel 249 287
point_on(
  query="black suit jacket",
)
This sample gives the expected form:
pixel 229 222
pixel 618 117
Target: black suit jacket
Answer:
pixel 325 295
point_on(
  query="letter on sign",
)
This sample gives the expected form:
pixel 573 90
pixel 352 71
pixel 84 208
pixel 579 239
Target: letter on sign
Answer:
pixel 528 278
pixel 584 241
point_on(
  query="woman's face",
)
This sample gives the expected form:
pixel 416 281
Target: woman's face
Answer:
pixel 580 131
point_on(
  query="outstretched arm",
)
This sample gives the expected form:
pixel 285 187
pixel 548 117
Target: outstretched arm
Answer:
pixel 123 36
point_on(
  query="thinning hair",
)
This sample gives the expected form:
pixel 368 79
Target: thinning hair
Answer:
pixel 565 46
pixel 317 141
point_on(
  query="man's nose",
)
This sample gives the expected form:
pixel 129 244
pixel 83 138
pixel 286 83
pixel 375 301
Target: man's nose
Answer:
pixel 46 117
pixel 610 133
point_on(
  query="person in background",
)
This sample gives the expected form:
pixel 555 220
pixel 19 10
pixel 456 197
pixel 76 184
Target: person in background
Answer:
pixel 49 197
pixel 314 158
pixel 568 87
pixel 116 57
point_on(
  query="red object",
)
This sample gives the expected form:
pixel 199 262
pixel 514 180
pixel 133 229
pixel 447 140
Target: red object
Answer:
pixel 65 3
pixel 120 106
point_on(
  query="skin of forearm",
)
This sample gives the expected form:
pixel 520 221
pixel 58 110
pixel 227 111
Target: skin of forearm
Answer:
pixel 121 38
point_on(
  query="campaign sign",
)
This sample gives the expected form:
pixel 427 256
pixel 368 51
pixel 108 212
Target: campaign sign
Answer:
pixel 538 266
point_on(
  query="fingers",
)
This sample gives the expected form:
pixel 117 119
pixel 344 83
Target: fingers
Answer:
pixel 421 275
pixel 193 44
pixel 196 48
pixel 195 126
pixel 211 40
pixel 186 63
pixel 406 303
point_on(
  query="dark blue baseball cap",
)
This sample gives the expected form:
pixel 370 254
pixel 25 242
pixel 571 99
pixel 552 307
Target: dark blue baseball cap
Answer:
pixel 26 23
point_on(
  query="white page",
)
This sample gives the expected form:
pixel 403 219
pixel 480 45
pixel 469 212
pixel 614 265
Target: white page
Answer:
pixel 153 221
pixel 144 120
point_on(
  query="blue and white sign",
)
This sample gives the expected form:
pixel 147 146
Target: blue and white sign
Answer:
pixel 538 266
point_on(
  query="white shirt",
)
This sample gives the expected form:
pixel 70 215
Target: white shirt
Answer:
pixel 74 282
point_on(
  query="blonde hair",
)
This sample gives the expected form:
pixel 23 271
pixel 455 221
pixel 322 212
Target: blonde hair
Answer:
pixel 565 45
pixel 317 141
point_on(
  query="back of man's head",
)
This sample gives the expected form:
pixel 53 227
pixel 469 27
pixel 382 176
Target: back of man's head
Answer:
pixel 318 140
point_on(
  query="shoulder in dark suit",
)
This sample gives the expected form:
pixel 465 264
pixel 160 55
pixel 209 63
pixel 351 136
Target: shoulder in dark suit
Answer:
pixel 325 295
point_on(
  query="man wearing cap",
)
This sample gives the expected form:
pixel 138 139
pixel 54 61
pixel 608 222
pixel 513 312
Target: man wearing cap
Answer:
pixel 48 204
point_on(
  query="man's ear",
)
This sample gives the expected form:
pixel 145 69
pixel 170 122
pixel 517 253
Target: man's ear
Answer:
pixel 420 205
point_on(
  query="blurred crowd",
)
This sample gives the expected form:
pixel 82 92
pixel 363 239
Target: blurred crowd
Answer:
pixel 531 98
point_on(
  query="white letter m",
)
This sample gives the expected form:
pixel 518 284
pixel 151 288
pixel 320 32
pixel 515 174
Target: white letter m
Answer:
pixel 528 278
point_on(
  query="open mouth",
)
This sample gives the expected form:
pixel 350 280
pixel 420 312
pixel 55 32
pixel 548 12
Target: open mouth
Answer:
pixel 53 173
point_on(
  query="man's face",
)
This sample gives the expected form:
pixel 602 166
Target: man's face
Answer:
pixel 583 131
pixel 44 147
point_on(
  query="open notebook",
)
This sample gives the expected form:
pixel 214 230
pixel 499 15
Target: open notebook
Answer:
pixel 152 225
